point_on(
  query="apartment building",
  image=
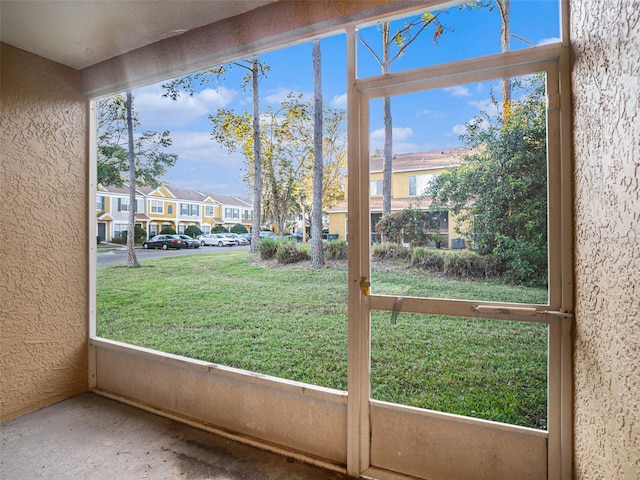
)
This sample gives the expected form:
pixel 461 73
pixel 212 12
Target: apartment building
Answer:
pixel 167 206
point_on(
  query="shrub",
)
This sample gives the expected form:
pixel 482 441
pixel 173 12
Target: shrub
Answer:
pixel 427 259
pixel 193 231
pixel 239 228
pixel 139 236
pixel 219 229
pixel 267 248
pixel 289 252
pixel 388 251
pixel 167 231
pixel 335 250
pixel 458 263
pixel 467 264
pixel 99 239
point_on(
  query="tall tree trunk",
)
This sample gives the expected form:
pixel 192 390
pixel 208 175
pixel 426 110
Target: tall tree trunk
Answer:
pixel 257 160
pixel 388 128
pixel 132 260
pixel 317 255
pixel 504 6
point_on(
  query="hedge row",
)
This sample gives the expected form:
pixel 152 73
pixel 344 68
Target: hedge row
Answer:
pixel 287 251
pixel 454 263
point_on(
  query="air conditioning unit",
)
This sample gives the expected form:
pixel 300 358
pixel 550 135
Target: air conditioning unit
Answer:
pixel 457 243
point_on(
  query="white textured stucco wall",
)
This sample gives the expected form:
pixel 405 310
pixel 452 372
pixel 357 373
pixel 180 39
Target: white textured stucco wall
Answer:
pixel 606 91
pixel 43 193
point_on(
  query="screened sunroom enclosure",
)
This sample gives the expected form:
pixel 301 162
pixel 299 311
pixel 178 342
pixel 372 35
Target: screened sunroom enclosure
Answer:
pixel 358 431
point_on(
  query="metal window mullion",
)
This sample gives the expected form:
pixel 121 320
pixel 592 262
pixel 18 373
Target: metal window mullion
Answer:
pixel 466 71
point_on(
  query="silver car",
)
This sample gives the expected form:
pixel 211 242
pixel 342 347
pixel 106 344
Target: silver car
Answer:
pixel 236 238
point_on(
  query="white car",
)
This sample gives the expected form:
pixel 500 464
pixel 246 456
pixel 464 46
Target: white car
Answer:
pixel 236 238
pixel 216 240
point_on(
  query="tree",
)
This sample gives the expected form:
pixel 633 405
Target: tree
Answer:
pixel 504 10
pixel 120 150
pixel 239 228
pixel 416 226
pixel 401 39
pixel 193 231
pixel 151 158
pixel 499 193
pixel 256 71
pixel 132 260
pixel 286 138
pixel 317 255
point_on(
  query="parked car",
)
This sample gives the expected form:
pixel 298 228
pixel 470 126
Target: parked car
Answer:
pixel 267 234
pixel 164 242
pixel 190 242
pixel 237 238
pixel 216 239
pixel 247 237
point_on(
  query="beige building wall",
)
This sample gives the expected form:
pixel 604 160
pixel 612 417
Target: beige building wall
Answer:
pixel 606 99
pixel 44 274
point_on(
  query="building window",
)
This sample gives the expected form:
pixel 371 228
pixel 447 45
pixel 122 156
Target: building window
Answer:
pixel 189 209
pixel 246 215
pixel 231 212
pixel 157 206
pixel 100 203
pixel 208 210
pixel 419 183
pixel 123 204
pixel 170 209
pixel 376 187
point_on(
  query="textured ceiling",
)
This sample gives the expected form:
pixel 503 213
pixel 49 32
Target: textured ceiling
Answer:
pixel 82 33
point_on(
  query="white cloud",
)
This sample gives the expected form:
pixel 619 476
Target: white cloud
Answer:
pixel 459 129
pixel 458 91
pixel 488 106
pixel 339 101
pixel 399 134
pixel 401 143
pixel 155 110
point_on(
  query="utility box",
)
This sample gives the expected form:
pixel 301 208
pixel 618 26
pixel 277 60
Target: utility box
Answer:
pixel 457 243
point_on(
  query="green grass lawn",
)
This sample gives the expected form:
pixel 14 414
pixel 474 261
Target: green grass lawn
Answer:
pixel 291 322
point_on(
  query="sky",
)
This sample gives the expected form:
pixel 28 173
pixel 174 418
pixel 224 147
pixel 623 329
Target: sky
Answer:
pixel 422 121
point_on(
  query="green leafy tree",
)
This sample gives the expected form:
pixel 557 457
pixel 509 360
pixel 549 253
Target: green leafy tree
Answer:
pixel 193 231
pixel 499 193
pixel 168 231
pixel 142 157
pixel 287 148
pixel 150 148
pixel 414 225
pixel 239 228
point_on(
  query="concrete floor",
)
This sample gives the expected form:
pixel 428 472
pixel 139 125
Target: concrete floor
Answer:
pixel 92 437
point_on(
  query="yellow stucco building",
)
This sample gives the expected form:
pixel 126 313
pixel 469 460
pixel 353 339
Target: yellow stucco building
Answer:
pixel 412 173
